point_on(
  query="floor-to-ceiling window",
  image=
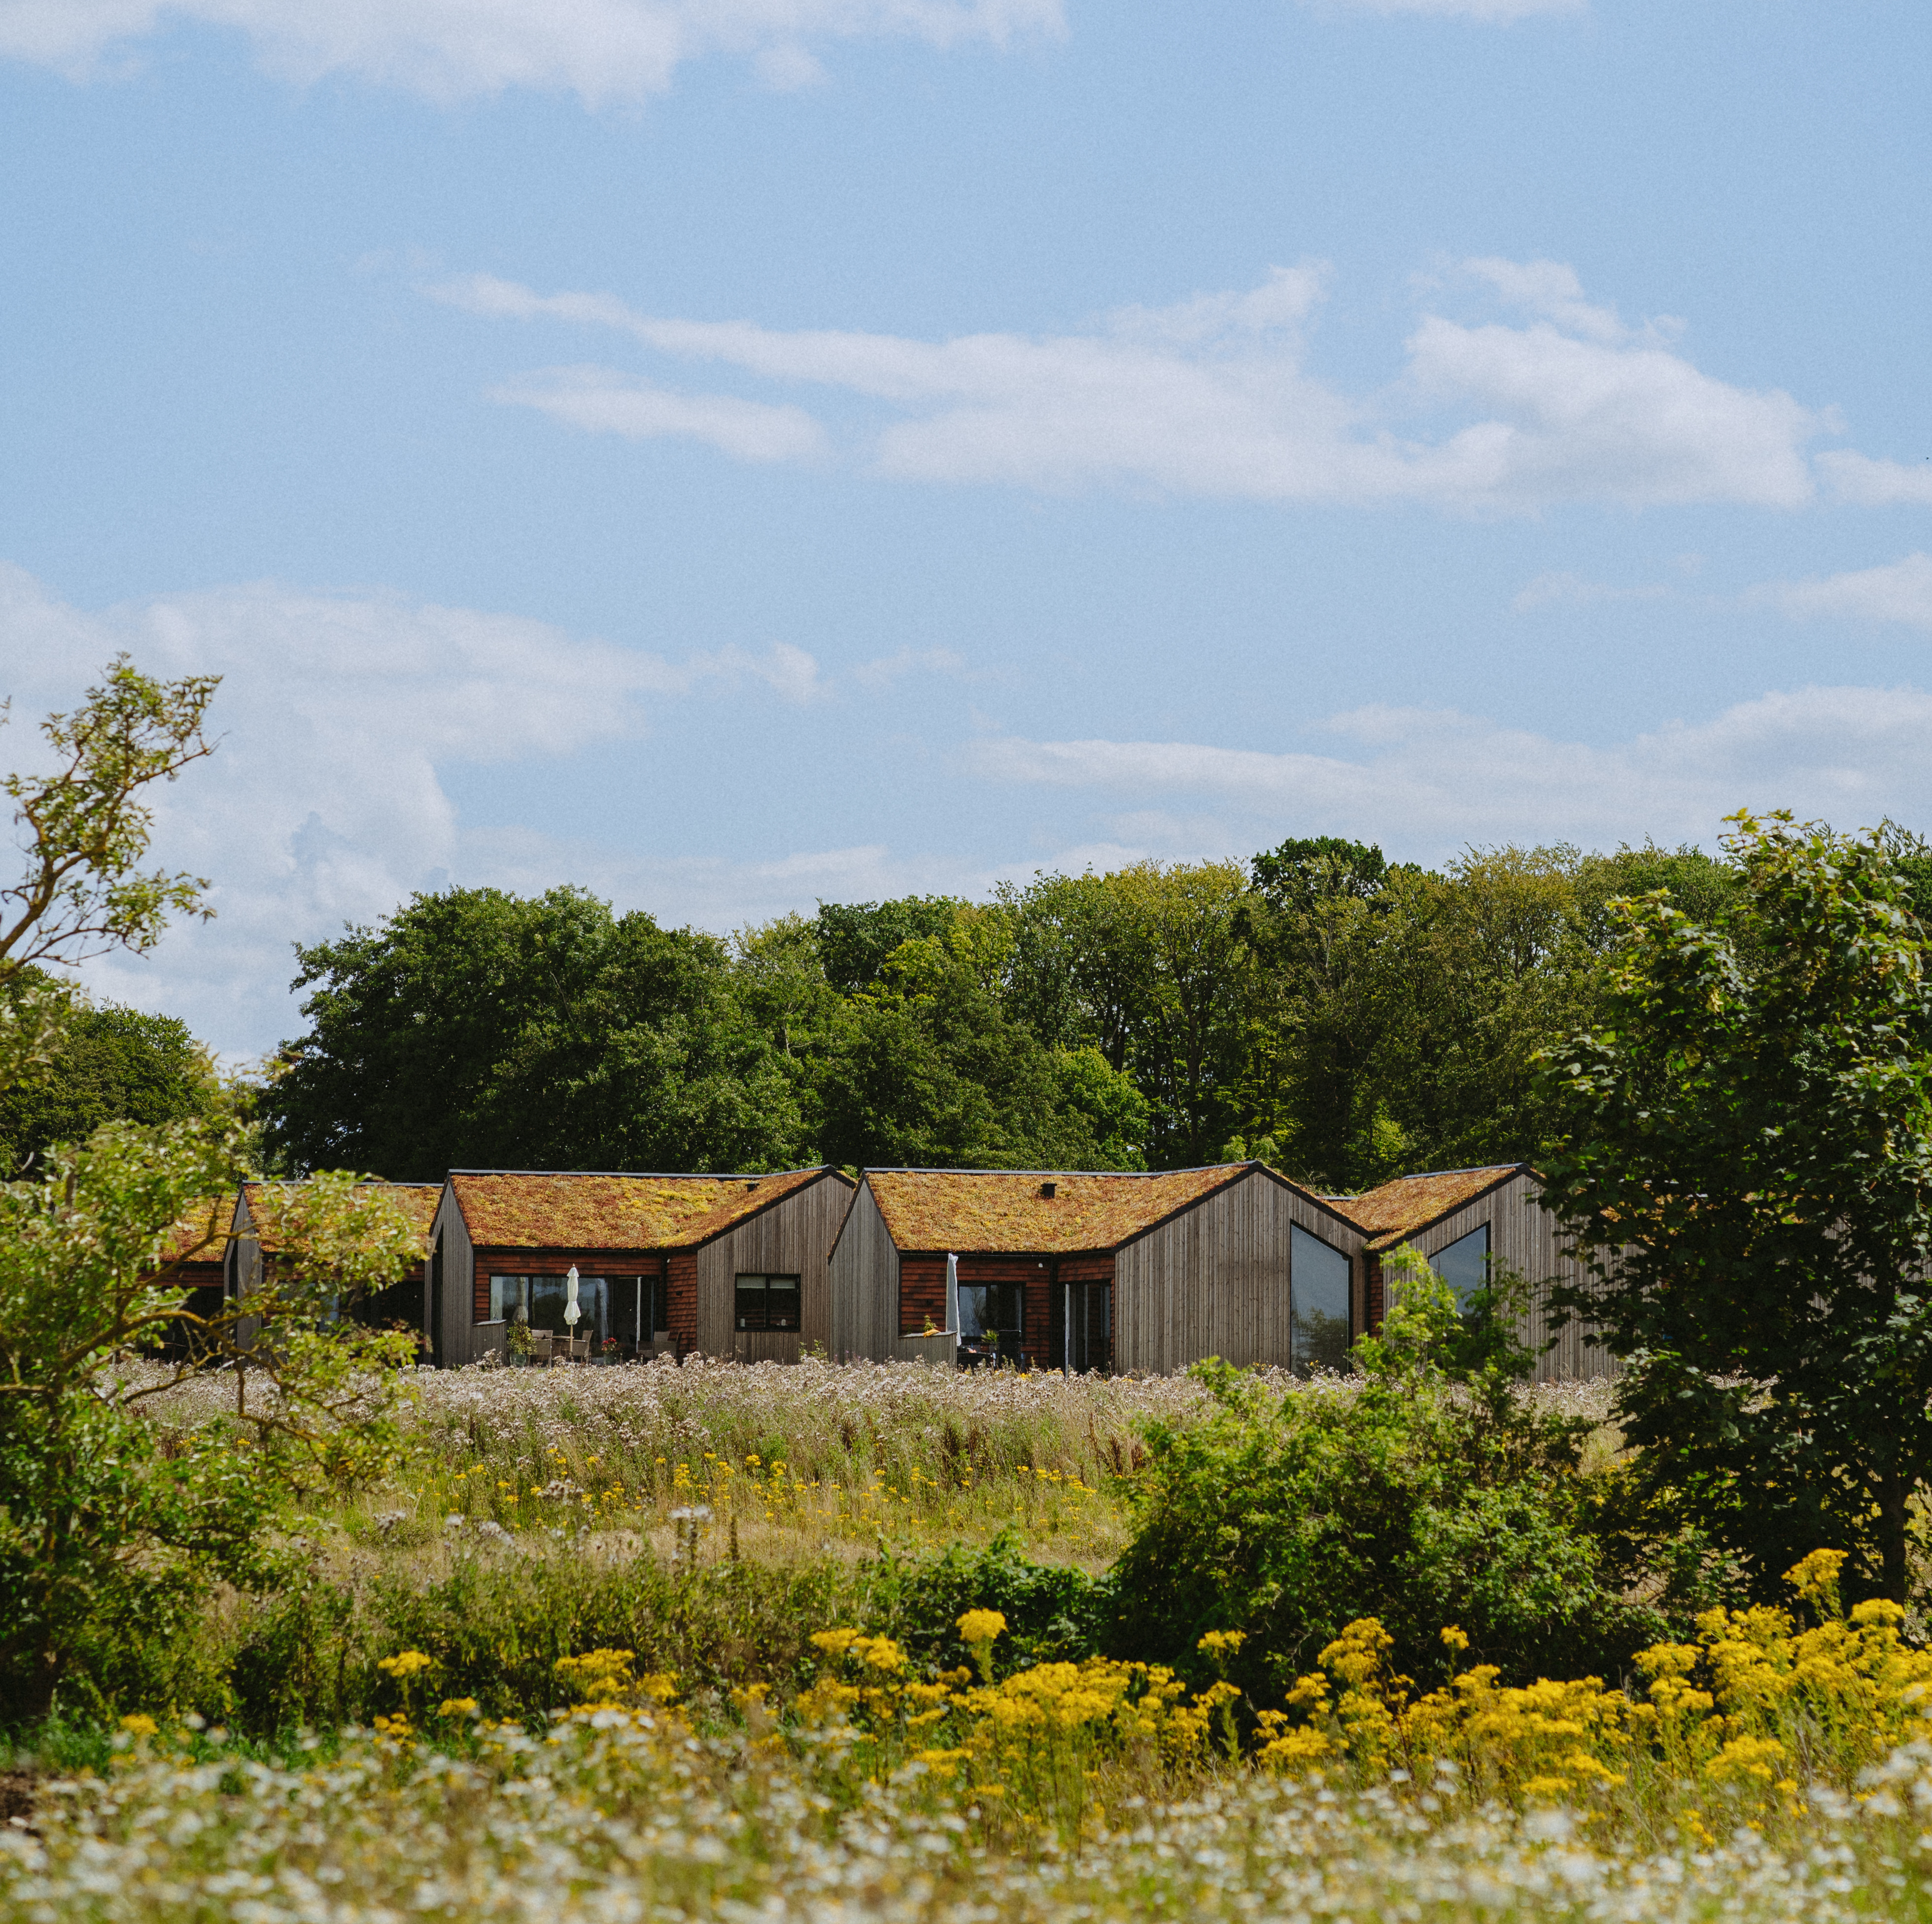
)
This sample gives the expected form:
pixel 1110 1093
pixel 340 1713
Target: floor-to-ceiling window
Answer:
pixel 1318 1277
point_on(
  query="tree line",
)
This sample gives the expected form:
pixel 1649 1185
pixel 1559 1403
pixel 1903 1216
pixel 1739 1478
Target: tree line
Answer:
pixel 1340 1015
pixel 1723 1065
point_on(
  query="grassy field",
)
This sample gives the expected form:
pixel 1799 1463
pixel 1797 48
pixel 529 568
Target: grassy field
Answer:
pixel 514 1680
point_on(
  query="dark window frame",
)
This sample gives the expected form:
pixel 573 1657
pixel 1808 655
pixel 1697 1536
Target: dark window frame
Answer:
pixel 760 1322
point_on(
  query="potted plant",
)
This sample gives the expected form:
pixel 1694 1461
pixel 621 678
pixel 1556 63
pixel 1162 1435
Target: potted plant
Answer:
pixel 517 1340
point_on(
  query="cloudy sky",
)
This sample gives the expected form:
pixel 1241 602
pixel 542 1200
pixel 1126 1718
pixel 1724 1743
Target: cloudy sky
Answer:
pixel 733 453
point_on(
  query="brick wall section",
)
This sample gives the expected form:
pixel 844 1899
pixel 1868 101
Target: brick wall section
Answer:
pixel 923 1288
pixel 683 1292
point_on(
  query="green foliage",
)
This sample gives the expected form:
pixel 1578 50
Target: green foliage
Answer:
pixel 83 831
pixel 554 1034
pixel 107 1065
pixel 1427 1492
pixel 1343 1017
pixel 1749 1158
pixel 101 1524
pixel 927 1069
pixel 1148 966
pixel 854 939
pixel 1054 1613
pixel 86 827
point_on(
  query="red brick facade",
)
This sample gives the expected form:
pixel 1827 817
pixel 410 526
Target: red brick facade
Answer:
pixel 923 1289
pixel 684 1300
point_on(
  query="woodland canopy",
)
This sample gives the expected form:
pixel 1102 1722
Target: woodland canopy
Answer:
pixel 1343 1017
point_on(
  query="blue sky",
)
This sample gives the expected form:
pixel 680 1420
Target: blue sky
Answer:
pixel 729 453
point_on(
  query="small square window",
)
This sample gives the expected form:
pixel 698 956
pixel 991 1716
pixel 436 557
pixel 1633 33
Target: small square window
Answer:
pixel 767 1302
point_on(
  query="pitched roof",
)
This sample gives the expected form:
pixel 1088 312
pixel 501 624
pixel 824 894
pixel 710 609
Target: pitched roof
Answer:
pixel 418 1200
pixel 1400 1208
pixel 997 1210
pixel 534 1209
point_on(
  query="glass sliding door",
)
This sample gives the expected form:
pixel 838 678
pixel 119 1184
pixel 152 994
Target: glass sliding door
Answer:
pixel 1088 1308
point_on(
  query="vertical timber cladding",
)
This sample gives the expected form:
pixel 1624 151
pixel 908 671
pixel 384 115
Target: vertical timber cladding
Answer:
pixel 863 1285
pixel 454 1306
pixel 1524 1237
pixel 793 1237
pixel 1214 1280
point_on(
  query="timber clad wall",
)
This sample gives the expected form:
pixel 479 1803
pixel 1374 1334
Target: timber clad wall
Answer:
pixel 1214 1280
pixel 864 1285
pixel 1523 1237
pixel 793 1237
pixel 457 1338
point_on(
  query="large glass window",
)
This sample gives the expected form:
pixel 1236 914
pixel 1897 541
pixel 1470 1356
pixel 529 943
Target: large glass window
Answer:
pixel 992 1316
pixel 1319 1288
pixel 539 1301
pixel 1465 1264
pixel 767 1302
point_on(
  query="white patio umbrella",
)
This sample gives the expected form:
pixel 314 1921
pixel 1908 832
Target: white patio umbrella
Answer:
pixel 571 1311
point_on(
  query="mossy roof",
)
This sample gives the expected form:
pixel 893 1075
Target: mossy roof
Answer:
pixel 1000 1211
pixel 1398 1210
pixel 199 1234
pixel 418 1200
pixel 514 1209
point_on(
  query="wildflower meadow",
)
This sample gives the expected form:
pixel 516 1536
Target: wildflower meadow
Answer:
pixel 704 1639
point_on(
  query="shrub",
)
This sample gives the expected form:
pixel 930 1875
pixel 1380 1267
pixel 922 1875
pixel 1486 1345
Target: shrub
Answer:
pixel 1053 1613
pixel 1426 1491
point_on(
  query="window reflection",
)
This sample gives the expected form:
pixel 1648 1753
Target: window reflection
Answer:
pixel 1465 1264
pixel 1319 1296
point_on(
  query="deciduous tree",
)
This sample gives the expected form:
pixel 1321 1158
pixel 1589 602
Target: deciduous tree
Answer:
pixel 1748 1160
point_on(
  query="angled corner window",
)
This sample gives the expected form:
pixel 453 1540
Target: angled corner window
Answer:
pixel 1465 1264
pixel 1318 1293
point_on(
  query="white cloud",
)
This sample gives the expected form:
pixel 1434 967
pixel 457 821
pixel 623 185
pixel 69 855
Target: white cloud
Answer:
pixel 340 716
pixel 889 669
pixel 1898 591
pixel 1875 483
pixel 604 51
pixel 1211 397
pixel 600 402
pixel 1468 10
pixel 1560 589
pixel 1425 782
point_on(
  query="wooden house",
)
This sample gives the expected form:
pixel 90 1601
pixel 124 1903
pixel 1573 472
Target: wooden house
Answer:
pixel 1464 1221
pixel 731 1265
pixel 194 1257
pixel 256 1239
pixel 1097 1271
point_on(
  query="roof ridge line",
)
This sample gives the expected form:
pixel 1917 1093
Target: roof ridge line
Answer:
pixel 651 1176
pixel 1143 1175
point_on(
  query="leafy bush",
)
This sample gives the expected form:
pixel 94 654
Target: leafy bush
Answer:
pixel 1427 1492
pixel 1054 1613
